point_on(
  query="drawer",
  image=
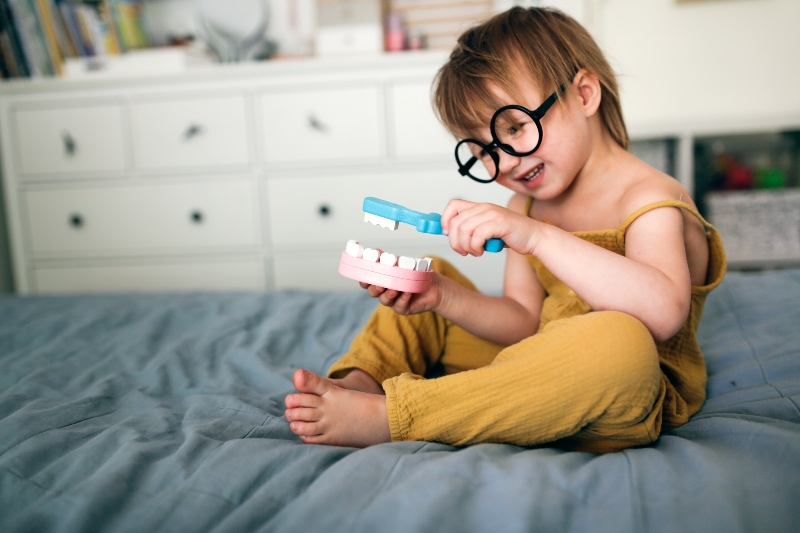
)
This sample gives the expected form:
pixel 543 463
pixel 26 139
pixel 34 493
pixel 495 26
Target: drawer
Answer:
pixel 332 124
pixel 416 130
pixel 194 132
pixel 153 218
pixel 242 274
pixel 327 210
pixel 70 140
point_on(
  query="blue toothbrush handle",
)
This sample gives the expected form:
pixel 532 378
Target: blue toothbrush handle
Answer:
pixel 494 245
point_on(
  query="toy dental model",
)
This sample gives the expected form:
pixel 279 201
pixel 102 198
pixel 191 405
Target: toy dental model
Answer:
pixel 383 269
pixel 376 267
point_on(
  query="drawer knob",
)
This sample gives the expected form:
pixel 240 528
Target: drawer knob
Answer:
pixel 315 124
pixel 192 131
pixel 196 217
pixel 324 210
pixel 76 220
pixel 70 147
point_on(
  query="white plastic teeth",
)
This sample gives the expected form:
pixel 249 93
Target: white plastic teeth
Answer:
pixel 354 249
pixel 381 221
pixel 376 255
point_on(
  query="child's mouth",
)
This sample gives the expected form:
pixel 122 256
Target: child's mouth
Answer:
pixel 533 174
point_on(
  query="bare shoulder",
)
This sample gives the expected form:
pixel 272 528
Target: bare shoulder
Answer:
pixel 649 185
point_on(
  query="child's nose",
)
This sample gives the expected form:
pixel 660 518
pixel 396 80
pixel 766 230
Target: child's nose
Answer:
pixel 508 162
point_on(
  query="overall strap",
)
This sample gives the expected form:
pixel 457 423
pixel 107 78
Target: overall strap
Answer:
pixel 528 203
pixel 656 205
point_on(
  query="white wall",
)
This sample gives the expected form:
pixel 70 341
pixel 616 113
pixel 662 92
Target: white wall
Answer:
pixel 704 61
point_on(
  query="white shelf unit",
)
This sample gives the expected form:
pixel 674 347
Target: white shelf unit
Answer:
pixel 234 177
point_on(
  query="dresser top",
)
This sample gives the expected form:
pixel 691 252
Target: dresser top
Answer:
pixel 302 69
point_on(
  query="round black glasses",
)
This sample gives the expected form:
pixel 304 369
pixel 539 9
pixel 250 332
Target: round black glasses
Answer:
pixel 515 130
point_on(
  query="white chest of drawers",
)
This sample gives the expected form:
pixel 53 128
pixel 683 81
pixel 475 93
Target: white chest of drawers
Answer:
pixel 236 177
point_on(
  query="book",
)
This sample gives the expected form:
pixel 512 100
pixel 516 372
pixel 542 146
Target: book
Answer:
pixel 31 37
pixel 14 64
pixel 64 42
pixel 114 44
pixel 50 38
pixel 127 16
pixel 71 25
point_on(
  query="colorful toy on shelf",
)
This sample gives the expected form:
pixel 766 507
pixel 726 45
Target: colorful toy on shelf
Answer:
pixel 389 215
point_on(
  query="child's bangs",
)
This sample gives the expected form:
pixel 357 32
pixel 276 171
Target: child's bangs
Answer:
pixel 466 104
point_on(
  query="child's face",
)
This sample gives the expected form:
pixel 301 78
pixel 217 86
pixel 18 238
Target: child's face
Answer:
pixel 551 169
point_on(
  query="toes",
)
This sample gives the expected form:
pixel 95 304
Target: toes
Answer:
pixel 305 429
pixel 313 439
pixel 302 400
pixel 302 414
pixel 310 383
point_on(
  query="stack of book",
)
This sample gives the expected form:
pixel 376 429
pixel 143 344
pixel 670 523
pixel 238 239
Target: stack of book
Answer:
pixel 38 36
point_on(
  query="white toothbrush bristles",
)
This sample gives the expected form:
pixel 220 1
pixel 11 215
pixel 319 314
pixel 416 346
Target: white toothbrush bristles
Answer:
pixel 381 221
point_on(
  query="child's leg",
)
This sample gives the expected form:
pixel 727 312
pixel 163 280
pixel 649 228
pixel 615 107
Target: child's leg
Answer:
pixel 594 377
pixel 391 344
pixel 340 410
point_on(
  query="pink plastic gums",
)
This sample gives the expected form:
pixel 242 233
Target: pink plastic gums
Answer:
pixel 399 279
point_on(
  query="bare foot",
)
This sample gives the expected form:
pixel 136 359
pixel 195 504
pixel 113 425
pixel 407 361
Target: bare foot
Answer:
pixel 358 380
pixel 324 413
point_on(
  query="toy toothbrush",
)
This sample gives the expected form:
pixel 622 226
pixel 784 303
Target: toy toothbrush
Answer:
pixel 389 215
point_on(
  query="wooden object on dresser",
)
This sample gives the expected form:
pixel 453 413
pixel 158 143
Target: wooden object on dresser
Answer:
pixel 225 177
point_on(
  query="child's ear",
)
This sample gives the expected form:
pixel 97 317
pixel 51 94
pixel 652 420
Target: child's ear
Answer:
pixel 587 87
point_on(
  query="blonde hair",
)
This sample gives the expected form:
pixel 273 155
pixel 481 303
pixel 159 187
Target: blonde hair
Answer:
pixel 545 43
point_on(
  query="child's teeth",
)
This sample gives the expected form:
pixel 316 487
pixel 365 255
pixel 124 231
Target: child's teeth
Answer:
pixel 409 263
pixel 381 221
pixel 534 173
pixel 354 249
pixel 388 259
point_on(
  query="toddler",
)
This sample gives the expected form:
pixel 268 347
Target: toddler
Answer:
pixel 592 345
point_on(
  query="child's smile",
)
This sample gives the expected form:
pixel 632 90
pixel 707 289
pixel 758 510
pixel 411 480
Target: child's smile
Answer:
pixel 531 178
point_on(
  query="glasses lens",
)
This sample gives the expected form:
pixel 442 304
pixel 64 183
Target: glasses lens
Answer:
pixel 475 161
pixel 517 131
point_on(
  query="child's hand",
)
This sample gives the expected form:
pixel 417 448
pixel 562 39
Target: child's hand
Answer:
pixel 469 225
pixel 407 303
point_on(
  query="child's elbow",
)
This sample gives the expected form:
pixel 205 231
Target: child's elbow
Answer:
pixel 670 318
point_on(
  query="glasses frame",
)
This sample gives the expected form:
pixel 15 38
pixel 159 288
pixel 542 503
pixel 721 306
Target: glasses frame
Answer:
pixel 536 116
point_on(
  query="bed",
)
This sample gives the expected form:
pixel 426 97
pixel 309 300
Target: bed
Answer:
pixel 164 412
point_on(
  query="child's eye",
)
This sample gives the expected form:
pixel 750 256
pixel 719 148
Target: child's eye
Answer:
pixel 517 128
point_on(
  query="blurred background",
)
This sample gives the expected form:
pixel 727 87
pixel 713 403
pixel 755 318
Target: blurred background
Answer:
pixel 709 90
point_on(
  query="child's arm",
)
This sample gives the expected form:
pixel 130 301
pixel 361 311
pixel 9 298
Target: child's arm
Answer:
pixel 651 282
pixel 501 319
pixel 505 320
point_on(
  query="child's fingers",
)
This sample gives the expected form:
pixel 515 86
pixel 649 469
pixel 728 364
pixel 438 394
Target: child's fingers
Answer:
pixel 453 208
pixel 375 291
pixel 470 230
pixel 402 304
pixel 388 297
